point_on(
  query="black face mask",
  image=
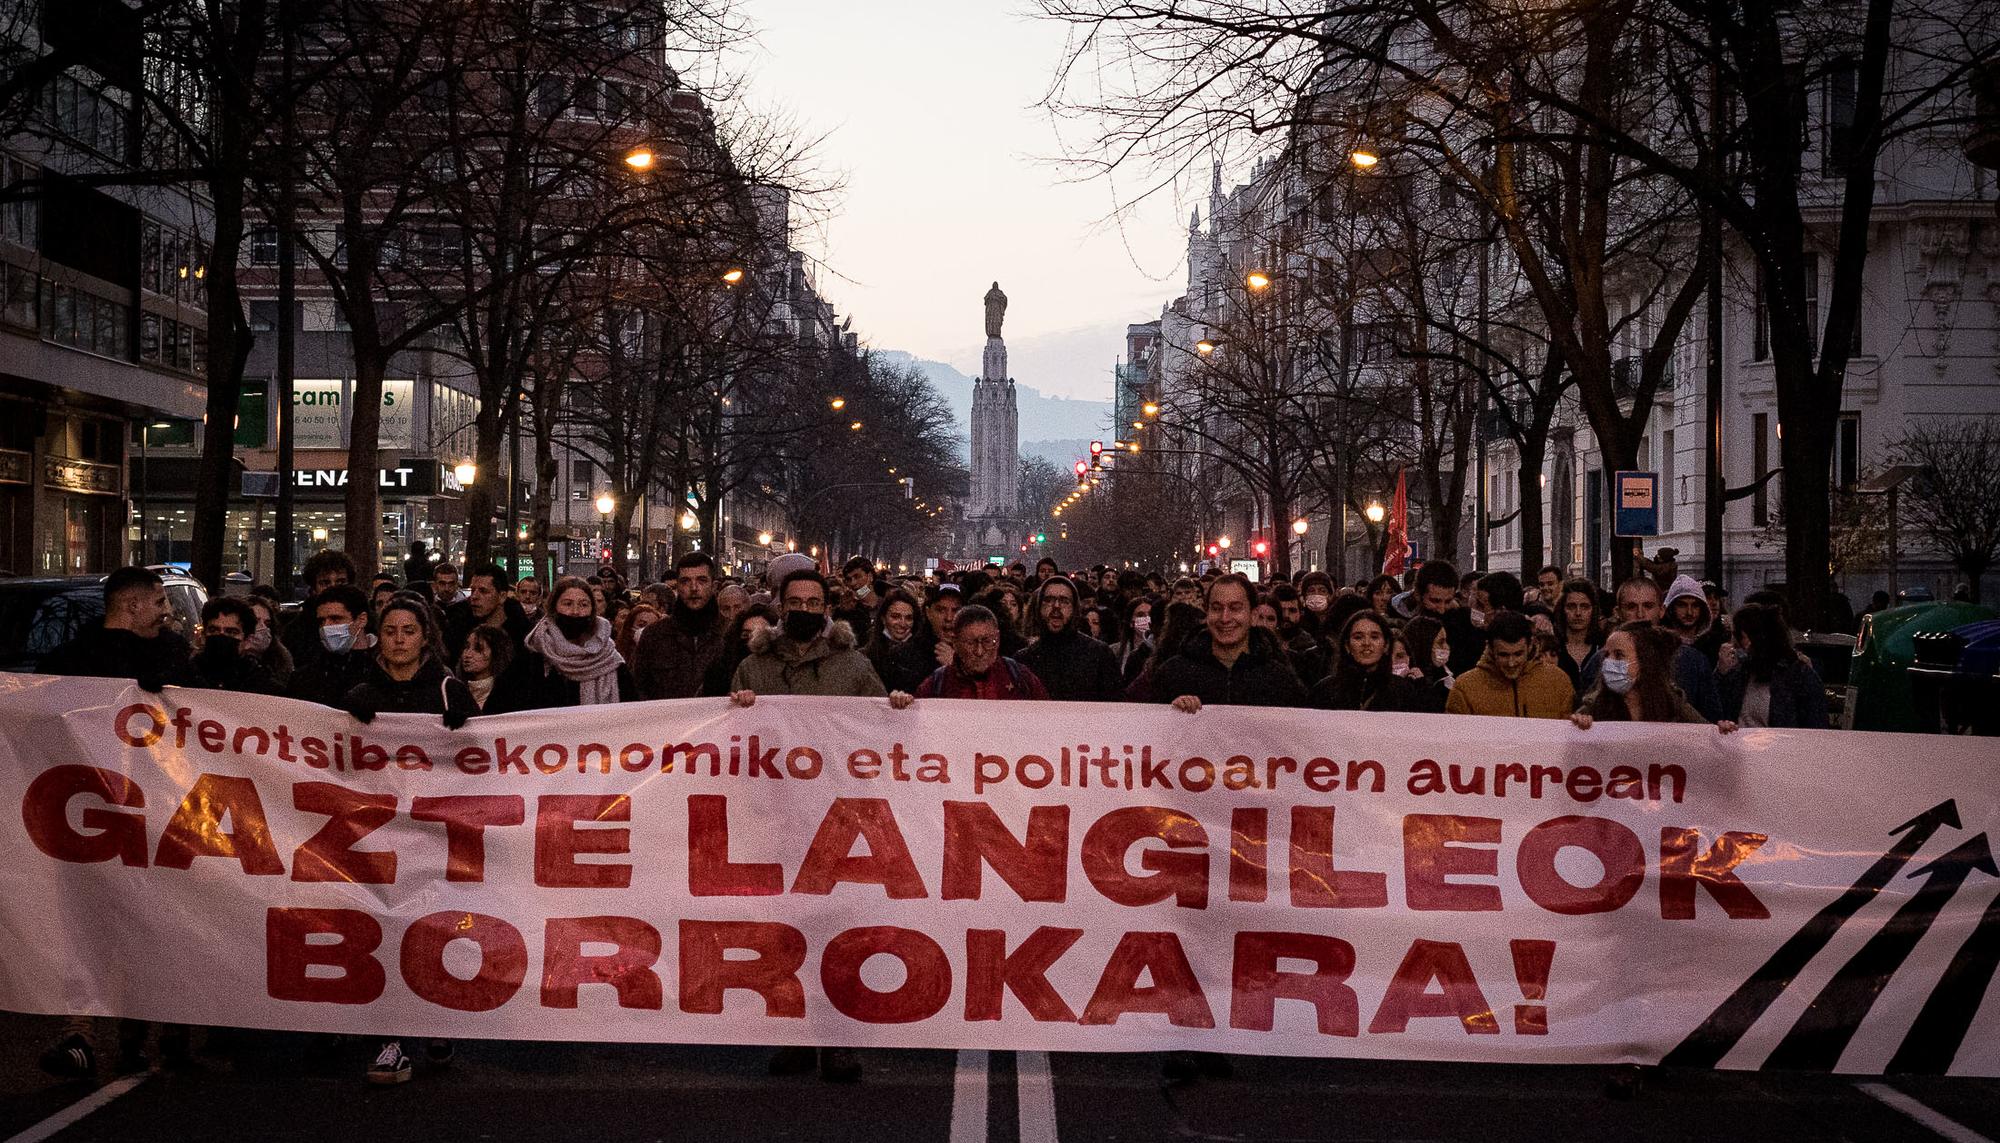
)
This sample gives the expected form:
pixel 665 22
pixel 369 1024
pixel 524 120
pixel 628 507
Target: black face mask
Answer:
pixel 575 627
pixel 803 626
pixel 220 649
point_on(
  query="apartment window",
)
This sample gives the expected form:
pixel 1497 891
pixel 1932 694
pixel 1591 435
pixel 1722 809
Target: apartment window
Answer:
pixel 1760 463
pixel 18 286
pixel 264 247
pixel 1847 451
pixel 1374 342
pixel 263 317
pixel 1837 142
pixel 581 472
pixel 19 218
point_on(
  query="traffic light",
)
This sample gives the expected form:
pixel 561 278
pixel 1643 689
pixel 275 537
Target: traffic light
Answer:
pixel 604 553
pixel 1041 537
pixel 1096 448
pixel 1213 551
pixel 1260 547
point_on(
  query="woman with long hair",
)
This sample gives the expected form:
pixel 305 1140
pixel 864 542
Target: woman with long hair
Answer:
pixel 1364 675
pixel 898 655
pixel 736 638
pixel 1135 633
pixel 1184 622
pixel 568 658
pixel 632 623
pixel 1636 681
pixel 1430 659
pixel 1578 631
pixel 1381 590
pixel 487 654
pixel 1770 685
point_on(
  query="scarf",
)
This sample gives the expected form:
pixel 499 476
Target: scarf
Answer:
pixel 592 665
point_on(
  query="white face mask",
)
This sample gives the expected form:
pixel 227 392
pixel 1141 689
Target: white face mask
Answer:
pixel 1441 656
pixel 1316 602
pixel 1141 624
pixel 1617 676
pixel 1478 618
pixel 336 637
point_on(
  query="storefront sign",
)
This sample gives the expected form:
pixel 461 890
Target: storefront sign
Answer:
pixel 15 466
pixel 319 414
pixel 1638 510
pixel 414 476
pixel 80 475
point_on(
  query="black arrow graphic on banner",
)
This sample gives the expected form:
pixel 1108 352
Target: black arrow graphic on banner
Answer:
pixel 1830 1021
pixel 1706 1045
pixel 1933 1041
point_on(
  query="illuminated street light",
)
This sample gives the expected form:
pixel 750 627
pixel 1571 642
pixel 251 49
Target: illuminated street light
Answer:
pixel 1300 527
pixel 854 426
pixel 732 275
pixel 688 522
pixel 1258 281
pixel 1364 158
pixel 838 403
pixel 1204 347
pixel 764 538
pixel 1222 542
pixel 1375 512
pixel 605 503
pixel 639 159
pixel 465 471
pixel 1150 408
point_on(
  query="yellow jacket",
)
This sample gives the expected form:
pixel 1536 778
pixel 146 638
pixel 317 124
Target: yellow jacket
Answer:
pixel 1542 691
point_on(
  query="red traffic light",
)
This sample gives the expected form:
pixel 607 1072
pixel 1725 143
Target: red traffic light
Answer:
pixel 1214 551
pixel 604 554
pixel 1261 547
pixel 1096 447
pixel 1082 468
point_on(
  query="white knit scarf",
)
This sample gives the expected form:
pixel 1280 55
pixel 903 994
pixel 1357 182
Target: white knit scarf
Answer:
pixel 592 664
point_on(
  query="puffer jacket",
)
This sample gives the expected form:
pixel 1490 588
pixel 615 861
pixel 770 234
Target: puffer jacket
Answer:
pixel 828 666
pixel 1541 691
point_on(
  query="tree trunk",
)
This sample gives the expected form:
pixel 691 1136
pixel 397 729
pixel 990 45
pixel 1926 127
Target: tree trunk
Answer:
pixel 228 349
pixel 363 499
pixel 1534 450
pixel 482 501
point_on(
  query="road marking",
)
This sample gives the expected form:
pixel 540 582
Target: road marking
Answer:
pixel 78 1110
pixel 1038 1097
pixel 968 1097
pixel 1951 1129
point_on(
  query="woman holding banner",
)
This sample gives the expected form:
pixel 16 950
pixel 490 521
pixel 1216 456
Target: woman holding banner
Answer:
pixel 1364 675
pixel 1636 681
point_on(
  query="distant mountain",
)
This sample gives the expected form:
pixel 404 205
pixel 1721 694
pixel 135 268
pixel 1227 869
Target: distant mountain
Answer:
pixel 1059 423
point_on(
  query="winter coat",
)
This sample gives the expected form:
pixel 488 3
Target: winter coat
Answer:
pixel 1074 667
pixel 1712 636
pixel 902 666
pixel 531 682
pixel 1541 691
pixel 432 690
pixel 1468 643
pixel 1371 690
pixel 1693 674
pixel 1006 679
pixel 1259 677
pixel 1798 697
pixel 244 674
pixel 674 654
pixel 829 665
pixel 100 652
pixel 328 676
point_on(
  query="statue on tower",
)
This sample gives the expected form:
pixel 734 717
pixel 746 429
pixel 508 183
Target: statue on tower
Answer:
pixel 996 310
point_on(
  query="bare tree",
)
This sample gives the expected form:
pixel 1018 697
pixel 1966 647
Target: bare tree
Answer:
pixel 1951 501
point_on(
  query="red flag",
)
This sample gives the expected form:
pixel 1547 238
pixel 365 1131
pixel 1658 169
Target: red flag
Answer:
pixel 1396 551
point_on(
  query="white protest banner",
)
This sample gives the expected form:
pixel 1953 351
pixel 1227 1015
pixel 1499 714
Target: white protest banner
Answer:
pixel 1005 875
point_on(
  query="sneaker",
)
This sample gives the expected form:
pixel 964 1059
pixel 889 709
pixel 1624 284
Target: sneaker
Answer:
pixel 838 1065
pixel 391 1065
pixel 70 1058
pixel 439 1053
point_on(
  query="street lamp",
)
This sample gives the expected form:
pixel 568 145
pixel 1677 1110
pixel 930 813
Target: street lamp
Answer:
pixel 639 159
pixel 838 403
pixel 854 426
pixel 605 503
pixel 1363 158
pixel 764 538
pixel 732 275
pixel 688 522
pixel 1204 347
pixel 1222 542
pixel 466 471
pixel 1258 281
pixel 1375 512
pixel 1300 527
pixel 1150 408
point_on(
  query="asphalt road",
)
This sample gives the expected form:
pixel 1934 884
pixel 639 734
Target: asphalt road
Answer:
pixel 269 1088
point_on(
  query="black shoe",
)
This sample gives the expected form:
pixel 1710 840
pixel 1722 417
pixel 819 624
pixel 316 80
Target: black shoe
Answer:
pixel 390 1065
pixel 838 1065
pixel 792 1061
pixel 439 1053
pixel 70 1058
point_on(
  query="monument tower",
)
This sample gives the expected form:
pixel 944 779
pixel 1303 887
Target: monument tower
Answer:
pixel 993 522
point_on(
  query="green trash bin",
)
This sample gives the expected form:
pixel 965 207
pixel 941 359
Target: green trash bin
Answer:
pixel 1885 652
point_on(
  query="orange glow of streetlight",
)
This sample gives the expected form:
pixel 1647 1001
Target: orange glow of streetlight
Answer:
pixel 1375 512
pixel 854 426
pixel 1257 280
pixel 1204 347
pixel 1363 158
pixel 1150 408
pixel 1300 527
pixel 732 275
pixel 639 159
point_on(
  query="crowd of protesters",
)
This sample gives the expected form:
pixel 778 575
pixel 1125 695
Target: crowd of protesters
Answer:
pixel 1659 648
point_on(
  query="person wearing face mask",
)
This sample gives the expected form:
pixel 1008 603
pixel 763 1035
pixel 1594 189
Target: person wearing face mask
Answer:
pixel 1316 594
pixel 1635 682
pixel 1430 661
pixel 340 617
pixel 1073 666
pixel 223 661
pixel 568 658
pixel 809 653
pixel 1509 681
pixel 263 643
pixel 1136 641
pixel 1364 676
pixel 896 651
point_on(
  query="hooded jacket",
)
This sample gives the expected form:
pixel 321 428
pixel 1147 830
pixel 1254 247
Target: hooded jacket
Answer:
pixel 828 666
pixel 1709 639
pixel 1541 691
pixel 674 654
pixel 1260 676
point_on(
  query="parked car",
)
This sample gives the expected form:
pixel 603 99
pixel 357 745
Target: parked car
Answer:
pixel 39 614
pixel 1887 650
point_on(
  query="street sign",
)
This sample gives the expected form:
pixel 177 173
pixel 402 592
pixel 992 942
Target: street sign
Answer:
pixel 1637 510
pixel 1251 570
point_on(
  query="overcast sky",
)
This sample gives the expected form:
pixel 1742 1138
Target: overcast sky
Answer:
pixel 929 112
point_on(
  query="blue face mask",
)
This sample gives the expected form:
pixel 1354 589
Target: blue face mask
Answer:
pixel 1617 676
pixel 336 637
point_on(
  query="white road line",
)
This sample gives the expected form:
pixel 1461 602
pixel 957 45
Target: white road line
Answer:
pixel 1949 1128
pixel 968 1097
pixel 78 1110
pixel 1037 1090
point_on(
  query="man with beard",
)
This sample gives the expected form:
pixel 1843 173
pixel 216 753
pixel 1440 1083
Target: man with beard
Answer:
pixel 676 652
pixel 1073 666
pixel 489 602
pixel 221 661
pixel 132 642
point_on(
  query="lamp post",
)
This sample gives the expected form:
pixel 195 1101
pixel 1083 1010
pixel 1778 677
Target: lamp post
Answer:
pixel 605 503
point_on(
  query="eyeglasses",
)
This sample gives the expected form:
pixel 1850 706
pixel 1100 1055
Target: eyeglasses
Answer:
pixel 984 643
